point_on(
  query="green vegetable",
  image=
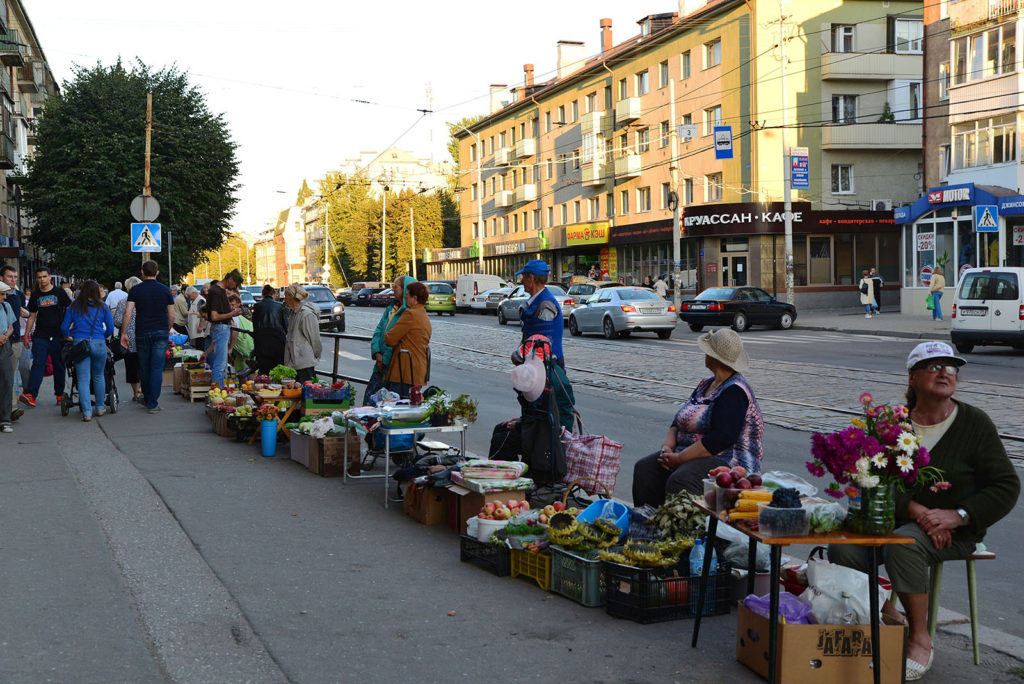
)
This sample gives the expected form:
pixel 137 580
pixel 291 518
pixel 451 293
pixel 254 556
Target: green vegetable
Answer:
pixel 824 519
pixel 279 373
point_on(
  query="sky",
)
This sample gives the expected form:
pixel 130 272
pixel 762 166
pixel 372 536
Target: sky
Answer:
pixel 287 75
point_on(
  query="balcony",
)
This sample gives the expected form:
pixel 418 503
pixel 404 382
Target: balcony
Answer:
pixel 1000 96
pixel 32 131
pixel 526 193
pixel 872 136
pixel 503 156
pixel 6 153
pixel 29 77
pixel 504 198
pixel 863 66
pixel 527 147
pixel 593 174
pixel 627 110
pixel 628 166
pixel 966 13
pixel 12 52
pixel 597 123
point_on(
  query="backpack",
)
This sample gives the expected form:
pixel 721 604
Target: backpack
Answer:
pixel 864 288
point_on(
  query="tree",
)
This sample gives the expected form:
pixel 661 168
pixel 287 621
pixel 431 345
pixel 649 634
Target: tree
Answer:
pixel 304 193
pixel 89 164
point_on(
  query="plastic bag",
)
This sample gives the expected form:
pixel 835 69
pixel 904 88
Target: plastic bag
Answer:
pixel 825 516
pixel 827 582
pixel 777 479
pixel 790 607
pixel 609 511
pixel 736 552
pixel 929 303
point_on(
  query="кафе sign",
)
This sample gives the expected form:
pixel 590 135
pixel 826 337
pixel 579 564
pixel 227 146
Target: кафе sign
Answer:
pixel 753 218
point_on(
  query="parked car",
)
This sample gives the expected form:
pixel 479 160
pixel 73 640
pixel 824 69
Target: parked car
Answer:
pixel 988 309
pixel 511 308
pixel 256 291
pixel 344 295
pixel 581 292
pixel 365 295
pixel 478 302
pixel 738 307
pixel 470 285
pixel 332 312
pixel 496 297
pixel 440 298
pixel 621 311
pixel 383 298
pixel 248 302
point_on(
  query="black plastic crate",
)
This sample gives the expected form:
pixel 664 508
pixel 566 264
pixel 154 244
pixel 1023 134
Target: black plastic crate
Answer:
pixel 495 559
pixel 648 595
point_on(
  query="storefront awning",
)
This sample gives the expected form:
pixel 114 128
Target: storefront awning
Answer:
pixel 963 195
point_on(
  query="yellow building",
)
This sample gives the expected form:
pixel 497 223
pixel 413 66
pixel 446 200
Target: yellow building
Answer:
pixel 579 170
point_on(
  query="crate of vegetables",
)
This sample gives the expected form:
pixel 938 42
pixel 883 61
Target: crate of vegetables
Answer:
pixel 495 558
pixel 317 395
pixel 647 595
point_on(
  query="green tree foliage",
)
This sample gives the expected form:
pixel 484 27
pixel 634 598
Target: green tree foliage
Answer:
pixel 89 164
pixel 304 193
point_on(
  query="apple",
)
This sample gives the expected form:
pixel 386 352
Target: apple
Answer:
pixel 741 470
pixel 559 506
pixel 524 505
pixel 715 472
pixel 549 510
pixel 482 515
pixel 513 503
pixel 744 483
pixel 755 479
pixel 724 480
pixel 489 508
pixel 542 519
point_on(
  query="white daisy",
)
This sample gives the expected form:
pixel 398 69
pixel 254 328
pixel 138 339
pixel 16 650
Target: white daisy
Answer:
pixel 863 465
pixel 905 463
pixel 879 460
pixel 907 441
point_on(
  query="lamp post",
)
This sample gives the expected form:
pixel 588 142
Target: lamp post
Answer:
pixel 384 232
pixel 479 194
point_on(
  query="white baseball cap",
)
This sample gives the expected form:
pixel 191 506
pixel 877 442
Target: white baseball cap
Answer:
pixel 933 350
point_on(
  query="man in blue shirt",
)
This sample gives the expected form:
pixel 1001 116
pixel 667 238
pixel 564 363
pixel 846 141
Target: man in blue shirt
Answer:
pixel 542 314
pixel 154 313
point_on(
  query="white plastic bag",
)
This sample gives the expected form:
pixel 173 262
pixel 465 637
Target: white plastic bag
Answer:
pixel 776 479
pixel 826 584
pixel 739 546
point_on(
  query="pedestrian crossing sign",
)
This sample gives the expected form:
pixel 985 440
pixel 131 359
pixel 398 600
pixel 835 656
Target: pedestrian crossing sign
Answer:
pixel 986 218
pixel 145 237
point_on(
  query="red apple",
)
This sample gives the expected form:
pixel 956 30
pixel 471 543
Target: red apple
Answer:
pixel 724 480
pixel 489 508
pixel 524 505
pixel 559 506
pixel 715 472
pixel 741 470
pixel 542 519
pixel 743 483
pixel 755 479
pixel 513 503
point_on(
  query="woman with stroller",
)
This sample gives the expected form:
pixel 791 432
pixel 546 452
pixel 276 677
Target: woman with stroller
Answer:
pixel 410 333
pixel 88 320
pixel 131 354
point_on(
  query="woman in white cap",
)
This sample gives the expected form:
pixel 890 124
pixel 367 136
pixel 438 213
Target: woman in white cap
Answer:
pixel 720 424
pixel 948 520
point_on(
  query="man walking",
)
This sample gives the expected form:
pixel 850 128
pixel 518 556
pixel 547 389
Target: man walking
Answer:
pixel 542 314
pixel 877 282
pixel 154 312
pixel 221 314
pixel 116 296
pixel 20 361
pixel 46 307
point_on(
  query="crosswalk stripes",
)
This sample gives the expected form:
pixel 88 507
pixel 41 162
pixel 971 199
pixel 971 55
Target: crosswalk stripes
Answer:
pixel 790 339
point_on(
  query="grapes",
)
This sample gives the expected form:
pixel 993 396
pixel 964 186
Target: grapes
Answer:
pixel 785 497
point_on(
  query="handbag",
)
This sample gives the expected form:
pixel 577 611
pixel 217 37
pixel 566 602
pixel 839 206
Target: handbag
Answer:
pixel 590 456
pixel 929 303
pixel 834 589
pixel 863 288
pixel 80 350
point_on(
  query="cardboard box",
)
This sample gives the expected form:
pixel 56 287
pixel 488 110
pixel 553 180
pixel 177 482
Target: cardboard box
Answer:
pixel 325 457
pixel 179 378
pixel 168 380
pixel 428 505
pixel 820 653
pixel 464 504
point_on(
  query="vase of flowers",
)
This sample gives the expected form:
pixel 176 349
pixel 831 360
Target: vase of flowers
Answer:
pixel 870 461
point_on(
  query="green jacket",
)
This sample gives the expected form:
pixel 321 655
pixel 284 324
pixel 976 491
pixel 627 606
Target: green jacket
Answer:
pixel 984 481
pixel 388 319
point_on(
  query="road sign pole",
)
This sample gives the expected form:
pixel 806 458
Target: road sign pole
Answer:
pixel 170 280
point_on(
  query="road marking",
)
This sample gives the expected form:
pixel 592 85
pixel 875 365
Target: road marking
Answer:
pixel 353 357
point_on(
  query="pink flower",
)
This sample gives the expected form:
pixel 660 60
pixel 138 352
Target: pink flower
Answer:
pixel 866 398
pixel 941 486
pixel 834 493
pixel 815 469
pixel 923 457
pixel 875 411
pixel 901 411
pixel 852 492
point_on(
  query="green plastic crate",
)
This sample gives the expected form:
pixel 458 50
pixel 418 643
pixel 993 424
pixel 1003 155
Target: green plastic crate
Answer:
pixel 577 577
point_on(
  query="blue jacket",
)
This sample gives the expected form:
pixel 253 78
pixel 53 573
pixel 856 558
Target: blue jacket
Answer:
pixel 532 325
pixel 97 324
pixel 387 320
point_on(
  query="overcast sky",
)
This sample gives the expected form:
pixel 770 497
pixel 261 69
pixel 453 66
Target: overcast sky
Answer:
pixel 286 74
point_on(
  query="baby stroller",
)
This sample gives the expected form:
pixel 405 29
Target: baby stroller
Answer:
pixel 70 397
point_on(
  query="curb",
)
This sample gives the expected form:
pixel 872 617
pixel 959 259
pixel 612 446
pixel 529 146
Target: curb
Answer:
pixel 913 335
pixel 952 622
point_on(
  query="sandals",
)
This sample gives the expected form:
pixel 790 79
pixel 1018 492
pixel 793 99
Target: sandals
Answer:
pixel 100 413
pixel 894 621
pixel 915 670
pixel 86 419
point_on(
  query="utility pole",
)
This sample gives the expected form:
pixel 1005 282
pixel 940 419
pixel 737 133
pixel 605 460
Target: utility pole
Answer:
pixel 677 276
pixel 170 279
pixel 146 192
pixel 412 237
pixel 786 162
pixel 384 238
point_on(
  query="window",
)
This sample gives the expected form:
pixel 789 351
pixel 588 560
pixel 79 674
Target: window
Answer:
pixel 513 133
pixel 643 199
pixel 609 205
pixel 712 118
pixel 504 225
pixel 914 105
pixel 842 179
pixel 643 140
pixel 591 102
pixel 590 147
pixel 547 122
pixel 688 191
pixel 494 182
pixel 494 226
pixel 842 38
pixel 713 53
pixel 504 138
pixel 473 192
pixel 551 217
pixel 666 190
pixel 624 145
pixel 526 222
pixel 713 187
pixel 623 90
pixel 985 142
pixel 492 144
pixel 944 81
pixel 515 223
pixel 909 34
pixel 565 213
pixel 535 127
pixel 551 169
pixel 575 108
pixel 476 230
pixel 686 120
pixel 945 161
pixel 664 135
pixel 577 211
pixel 502 181
pixel 623 202
pixel 642 84
pixel 561 116
pixel 989 53
pixel 844 108
pixel 663 74
pixel 472 152
pixel 536 219
pixel 526 175
pixel 608 97
pixel 576 158
pixel 684 65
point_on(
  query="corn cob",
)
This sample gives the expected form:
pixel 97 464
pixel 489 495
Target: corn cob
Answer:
pixel 756 494
pixel 735 514
pixel 747 505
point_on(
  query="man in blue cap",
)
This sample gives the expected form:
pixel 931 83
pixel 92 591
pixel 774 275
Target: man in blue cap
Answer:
pixel 542 314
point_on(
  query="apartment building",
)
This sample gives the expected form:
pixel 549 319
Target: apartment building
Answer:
pixel 973 211
pixel 25 83
pixel 580 170
pixel 398 168
pixel 266 259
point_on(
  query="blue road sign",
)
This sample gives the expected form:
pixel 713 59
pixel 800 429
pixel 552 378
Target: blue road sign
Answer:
pixel 145 237
pixel 723 142
pixel 801 168
pixel 986 218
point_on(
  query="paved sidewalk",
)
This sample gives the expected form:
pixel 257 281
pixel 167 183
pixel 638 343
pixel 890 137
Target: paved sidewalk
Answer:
pixel 890 322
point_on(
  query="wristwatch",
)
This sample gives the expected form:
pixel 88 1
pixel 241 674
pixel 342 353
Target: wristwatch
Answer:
pixel 964 518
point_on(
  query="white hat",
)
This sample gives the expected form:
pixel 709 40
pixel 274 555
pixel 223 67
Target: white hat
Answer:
pixel 4 287
pixel 933 350
pixel 725 346
pixel 528 378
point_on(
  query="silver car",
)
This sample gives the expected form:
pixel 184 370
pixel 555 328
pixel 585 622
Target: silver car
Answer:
pixel 619 311
pixel 511 308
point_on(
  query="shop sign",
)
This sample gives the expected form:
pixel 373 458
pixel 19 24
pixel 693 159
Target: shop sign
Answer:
pixel 926 242
pixel 586 234
pixel 950 195
pixel 747 217
pixel 641 232
pixel 444 254
pixel 711 267
pixel 1018 236
pixel 926 275
pixel 507 248
pixel 609 262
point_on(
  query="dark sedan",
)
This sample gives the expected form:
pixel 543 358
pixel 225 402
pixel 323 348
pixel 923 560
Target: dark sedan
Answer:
pixel 738 307
pixel 365 296
pixel 383 298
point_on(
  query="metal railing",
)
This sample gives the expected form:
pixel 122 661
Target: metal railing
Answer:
pixel 338 337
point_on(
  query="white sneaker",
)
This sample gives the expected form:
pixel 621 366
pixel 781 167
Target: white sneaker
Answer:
pixel 867 315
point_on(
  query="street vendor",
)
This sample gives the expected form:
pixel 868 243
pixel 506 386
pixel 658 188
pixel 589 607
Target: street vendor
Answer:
pixel 949 519
pixel 379 351
pixel 303 346
pixel 241 337
pixel 720 424
pixel 410 333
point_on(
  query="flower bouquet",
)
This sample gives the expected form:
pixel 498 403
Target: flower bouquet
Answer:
pixel 267 411
pixel 877 455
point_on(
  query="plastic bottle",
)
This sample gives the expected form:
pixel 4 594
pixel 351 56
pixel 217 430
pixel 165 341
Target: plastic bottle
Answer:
pixel 697 559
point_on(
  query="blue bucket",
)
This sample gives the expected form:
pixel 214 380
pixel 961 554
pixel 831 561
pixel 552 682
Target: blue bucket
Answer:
pixel 268 438
pixel 594 510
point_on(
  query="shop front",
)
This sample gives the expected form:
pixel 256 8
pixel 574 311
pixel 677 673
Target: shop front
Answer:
pixel 450 263
pixel 644 250
pixel 584 252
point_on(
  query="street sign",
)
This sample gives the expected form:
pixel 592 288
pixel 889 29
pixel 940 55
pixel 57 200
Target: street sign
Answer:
pixel 723 142
pixel 926 241
pixel 145 237
pixel 986 218
pixel 800 173
pixel 687 131
pixel 926 275
pixel 145 208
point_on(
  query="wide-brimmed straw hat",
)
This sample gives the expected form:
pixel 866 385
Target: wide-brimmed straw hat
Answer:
pixel 529 378
pixel 725 346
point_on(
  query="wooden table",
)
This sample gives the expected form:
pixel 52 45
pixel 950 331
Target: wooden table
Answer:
pixel 293 403
pixel 775 544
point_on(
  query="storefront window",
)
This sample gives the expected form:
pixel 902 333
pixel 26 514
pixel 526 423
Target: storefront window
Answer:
pixel 844 263
pixel 799 260
pixel 821 260
pixel 944 250
pixel 909 262
pixel 888 260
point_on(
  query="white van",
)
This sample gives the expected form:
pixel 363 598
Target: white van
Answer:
pixel 470 285
pixel 988 308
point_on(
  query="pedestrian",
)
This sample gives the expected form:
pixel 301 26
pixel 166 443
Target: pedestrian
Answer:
pixel 877 283
pixel 131 352
pixel 116 296
pixel 8 324
pixel 241 337
pixel 410 333
pixel 594 274
pixel 542 314
pixel 379 351
pixel 151 303
pixel 302 348
pixel 88 320
pixel 21 357
pixel 660 287
pixel 866 293
pixel 221 315
pixel 181 303
pixel 935 286
pixel 270 329
pixel 198 326
pixel 46 307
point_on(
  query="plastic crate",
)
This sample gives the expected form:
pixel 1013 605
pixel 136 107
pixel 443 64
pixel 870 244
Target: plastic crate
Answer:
pixel 494 559
pixel 577 577
pixel 536 566
pixel 648 595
